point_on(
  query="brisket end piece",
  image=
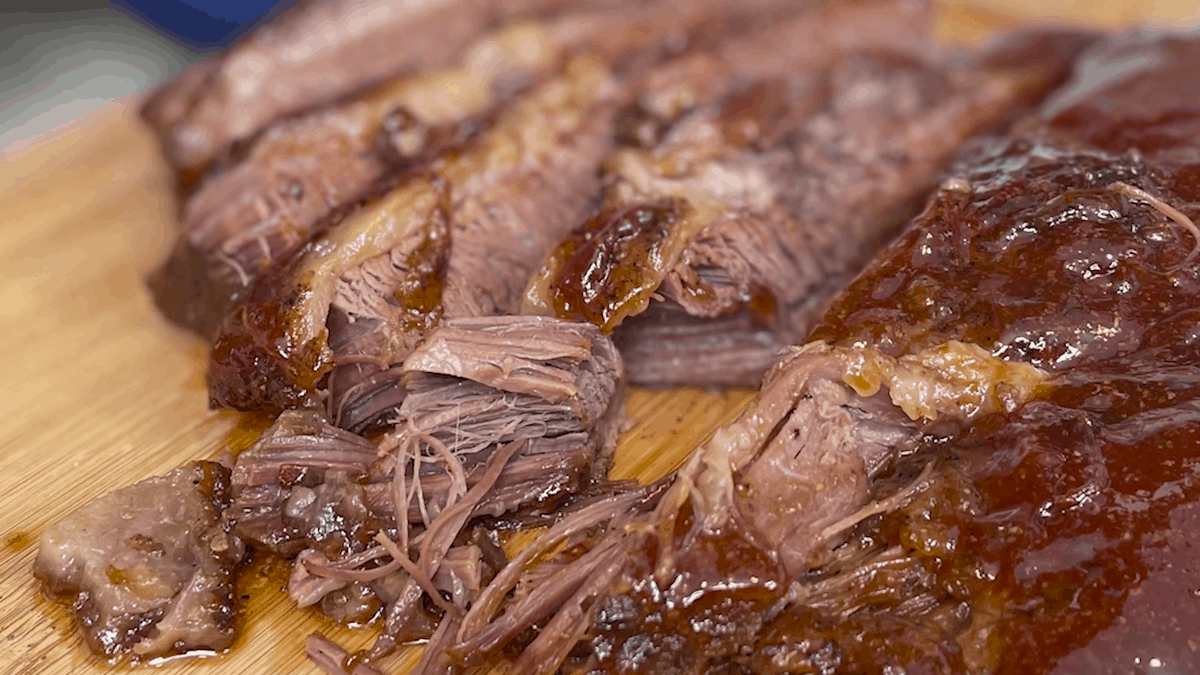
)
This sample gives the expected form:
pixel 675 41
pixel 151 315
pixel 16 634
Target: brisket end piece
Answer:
pixel 272 350
pixel 150 568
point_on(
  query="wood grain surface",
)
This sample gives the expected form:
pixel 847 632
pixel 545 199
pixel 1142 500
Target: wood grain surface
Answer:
pixel 101 392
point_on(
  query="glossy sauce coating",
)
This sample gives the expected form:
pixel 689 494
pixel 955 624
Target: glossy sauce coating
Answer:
pixel 1067 529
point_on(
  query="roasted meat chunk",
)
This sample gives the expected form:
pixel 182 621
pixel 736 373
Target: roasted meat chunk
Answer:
pixel 983 461
pixel 149 568
pixel 719 240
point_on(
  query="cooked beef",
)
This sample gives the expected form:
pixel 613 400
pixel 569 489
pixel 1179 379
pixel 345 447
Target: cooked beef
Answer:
pixel 302 174
pixel 476 385
pixel 721 240
pixel 149 568
pixel 320 51
pixel 985 462
pixel 503 413
pixel 314 53
pixel 457 241
pixel 688 585
pixel 1070 246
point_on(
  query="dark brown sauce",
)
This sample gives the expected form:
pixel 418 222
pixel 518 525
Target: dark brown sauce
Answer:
pixel 248 427
pixel 613 262
pixel 420 292
pixel 15 542
pixel 256 363
pixel 1068 528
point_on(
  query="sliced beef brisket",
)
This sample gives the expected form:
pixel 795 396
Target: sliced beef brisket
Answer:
pixel 910 490
pixel 754 210
pixel 314 54
pixel 321 51
pixel 503 413
pixel 303 174
pixel 472 214
pixel 150 568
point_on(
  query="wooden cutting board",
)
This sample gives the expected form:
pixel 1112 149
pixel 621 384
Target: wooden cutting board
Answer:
pixel 101 392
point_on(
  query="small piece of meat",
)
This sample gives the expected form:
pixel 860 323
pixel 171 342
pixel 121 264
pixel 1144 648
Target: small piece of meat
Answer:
pixel 753 211
pixel 479 383
pixel 149 568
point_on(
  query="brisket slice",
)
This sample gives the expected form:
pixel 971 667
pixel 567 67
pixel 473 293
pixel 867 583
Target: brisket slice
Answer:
pixel 321 51
pixel 314 54
pixel 747 215
pixel 975 513
pixel 149 568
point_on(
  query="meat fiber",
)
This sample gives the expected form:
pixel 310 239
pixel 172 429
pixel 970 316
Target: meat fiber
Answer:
pixel 721 236
pixel 149 568
pixel 476 385
pixel 363 295
pixel 503 413
pixel 984 461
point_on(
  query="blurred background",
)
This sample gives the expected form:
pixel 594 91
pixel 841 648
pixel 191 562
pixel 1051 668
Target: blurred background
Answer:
pixel 63 59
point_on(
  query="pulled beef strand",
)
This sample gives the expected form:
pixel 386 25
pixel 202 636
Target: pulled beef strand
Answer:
pixel 719 240
pixel 505 412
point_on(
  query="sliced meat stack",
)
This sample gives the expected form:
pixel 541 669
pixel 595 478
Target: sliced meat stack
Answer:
pixel 723 232
pixel 919 486
pixel 301 175
pixel 984 462
pixel 456 241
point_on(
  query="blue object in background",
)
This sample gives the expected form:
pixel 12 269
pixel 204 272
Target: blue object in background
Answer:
pixel 203 25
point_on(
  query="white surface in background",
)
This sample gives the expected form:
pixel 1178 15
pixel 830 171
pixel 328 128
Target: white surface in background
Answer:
pixel 58 68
